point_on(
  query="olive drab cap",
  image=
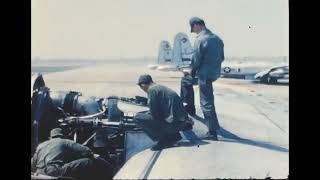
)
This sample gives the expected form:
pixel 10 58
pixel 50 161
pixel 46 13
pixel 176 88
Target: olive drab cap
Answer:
pixel 195 20
pixel 56 132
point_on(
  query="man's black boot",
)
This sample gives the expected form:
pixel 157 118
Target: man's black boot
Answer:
pixel 174 138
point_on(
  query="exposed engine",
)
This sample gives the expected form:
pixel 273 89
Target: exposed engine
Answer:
pixel 97 123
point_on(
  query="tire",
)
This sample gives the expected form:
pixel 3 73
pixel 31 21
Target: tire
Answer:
pixel 273 80
pixel 264 79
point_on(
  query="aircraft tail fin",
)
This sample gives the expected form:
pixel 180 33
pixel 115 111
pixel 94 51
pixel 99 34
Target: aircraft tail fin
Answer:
pixel 182 49
pixel 165 53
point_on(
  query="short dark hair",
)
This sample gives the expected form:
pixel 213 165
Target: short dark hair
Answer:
pixel 145 79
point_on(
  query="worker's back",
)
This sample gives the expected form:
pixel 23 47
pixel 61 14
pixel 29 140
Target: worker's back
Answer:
pixel 59 151
pixel 62 157
pixel 211 55
pixel 166 104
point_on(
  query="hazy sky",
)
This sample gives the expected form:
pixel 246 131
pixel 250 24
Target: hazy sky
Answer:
pixel 135 28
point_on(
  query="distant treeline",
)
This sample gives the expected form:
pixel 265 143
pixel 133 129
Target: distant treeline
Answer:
pixel 49 69
pixel 151 59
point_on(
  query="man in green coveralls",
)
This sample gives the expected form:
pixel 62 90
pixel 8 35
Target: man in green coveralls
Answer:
pixel 206 62
pixel 166 115
pixel 63 157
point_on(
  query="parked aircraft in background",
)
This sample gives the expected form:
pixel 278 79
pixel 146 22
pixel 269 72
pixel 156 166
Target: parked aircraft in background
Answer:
pixel 179 57
pixel 172 59
pixel 273 75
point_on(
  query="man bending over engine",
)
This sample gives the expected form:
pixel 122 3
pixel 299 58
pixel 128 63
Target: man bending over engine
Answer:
pixel 63 157
pixel 166 115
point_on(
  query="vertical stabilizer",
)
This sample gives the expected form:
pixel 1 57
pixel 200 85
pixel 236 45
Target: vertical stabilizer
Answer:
pixel 182 49
pixel 165 53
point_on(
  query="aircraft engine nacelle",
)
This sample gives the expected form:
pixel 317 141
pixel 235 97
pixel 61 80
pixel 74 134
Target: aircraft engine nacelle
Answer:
pixel 152 66
pixel 73 103
pixel 102 124
pixel 167 68
pixel 48 107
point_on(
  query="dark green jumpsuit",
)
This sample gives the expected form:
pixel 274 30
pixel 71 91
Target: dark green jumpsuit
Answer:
pixel 206 62
pixel 166 116
pixel 63 157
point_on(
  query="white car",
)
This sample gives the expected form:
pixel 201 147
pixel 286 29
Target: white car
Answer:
pixel 273 75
